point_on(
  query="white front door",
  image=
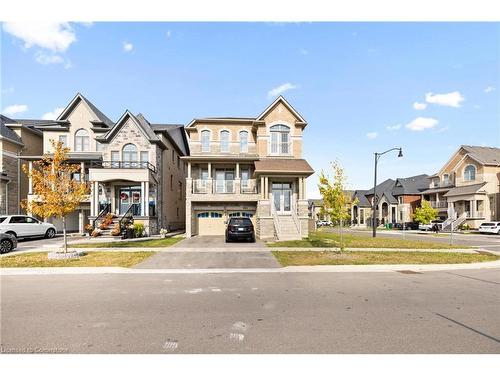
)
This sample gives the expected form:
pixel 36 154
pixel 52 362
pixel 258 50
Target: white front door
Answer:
pixel 282 198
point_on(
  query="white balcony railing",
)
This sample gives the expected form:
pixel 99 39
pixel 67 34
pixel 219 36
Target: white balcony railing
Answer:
pixel 200 186
pixel 441 184
pixel 440 204
pixel 223 186
pixel 474 214
pixel 248 187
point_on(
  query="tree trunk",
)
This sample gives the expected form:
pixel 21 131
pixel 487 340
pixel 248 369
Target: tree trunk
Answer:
pixel 65 242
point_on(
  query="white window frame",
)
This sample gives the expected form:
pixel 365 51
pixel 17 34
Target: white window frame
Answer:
pixel 467 176
pixel 225 145
pixel 205 147
pixel 82 142
pixel 65 142
pixel 278 150
pixel 243 145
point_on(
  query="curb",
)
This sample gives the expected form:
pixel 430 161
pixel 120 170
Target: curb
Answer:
pixel 290 269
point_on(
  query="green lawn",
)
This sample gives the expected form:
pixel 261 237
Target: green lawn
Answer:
pixel 325 239
pixel 90 259
pixel 156 242
pixel 314 258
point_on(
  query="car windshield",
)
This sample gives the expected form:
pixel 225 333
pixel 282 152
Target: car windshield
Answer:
pixel 240 221
pixel 488 224
pixel 2 219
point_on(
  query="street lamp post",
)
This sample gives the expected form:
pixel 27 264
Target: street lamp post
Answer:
pixel 375 203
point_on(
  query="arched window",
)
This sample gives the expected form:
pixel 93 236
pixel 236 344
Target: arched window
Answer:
pixel 469 173
pixel 129 156
pixel 244 141
pixel 280 139
pixel 446 179
pixel 82 140
pixel 224 141
pixel 205 140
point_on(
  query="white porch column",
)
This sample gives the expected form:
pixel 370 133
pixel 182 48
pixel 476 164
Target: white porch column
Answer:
pixel 142 195
pixel 82 171
pixel 304 192
pixel 301 186
pixel 81 218
pixel 262 187
pixel 266 188
pixel 96 198
pixel 189 169
pixel 146 198
pixel 237 170
pixel 30 168
pixel 209 170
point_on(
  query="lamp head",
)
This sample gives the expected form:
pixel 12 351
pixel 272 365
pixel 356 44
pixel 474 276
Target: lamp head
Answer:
pixel 400 155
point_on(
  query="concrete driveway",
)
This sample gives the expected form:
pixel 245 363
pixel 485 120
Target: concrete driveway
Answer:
pixel 217 242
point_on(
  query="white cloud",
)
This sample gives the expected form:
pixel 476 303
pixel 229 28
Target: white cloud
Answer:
pixel 489 89
pixel 452 99
pixel 53 115
pixel 419 106
pixel 127 47
pixel 54 36
pixel 15 109
pixel 372 135
pixel 393 127
pixel 422 123
pixel 46 59
pixel 169 33
pixel 281 89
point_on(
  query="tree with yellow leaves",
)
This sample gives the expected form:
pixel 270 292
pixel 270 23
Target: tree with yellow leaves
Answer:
pixel 56 192
pixel 336 202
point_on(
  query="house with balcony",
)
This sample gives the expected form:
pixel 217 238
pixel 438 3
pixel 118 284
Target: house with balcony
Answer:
pixel 466 189
pixel 248 166
pixel 134 167
pixel 396 201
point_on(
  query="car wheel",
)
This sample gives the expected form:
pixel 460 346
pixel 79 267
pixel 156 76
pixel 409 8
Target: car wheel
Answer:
pixel 50 233
pixel 5 246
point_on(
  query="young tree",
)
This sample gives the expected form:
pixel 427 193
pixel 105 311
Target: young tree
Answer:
pixel 56 193
pixel 336 203
pixel 425 213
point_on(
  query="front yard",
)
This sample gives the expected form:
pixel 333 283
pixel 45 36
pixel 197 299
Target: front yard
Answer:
pixel 154 242
pixel 314 258
pixel 90 259
pixel 326 239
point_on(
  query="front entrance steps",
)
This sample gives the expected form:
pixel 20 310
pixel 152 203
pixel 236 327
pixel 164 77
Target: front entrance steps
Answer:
pixel 287 228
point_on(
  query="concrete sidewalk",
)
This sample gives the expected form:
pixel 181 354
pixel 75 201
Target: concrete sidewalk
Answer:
pixel 290 269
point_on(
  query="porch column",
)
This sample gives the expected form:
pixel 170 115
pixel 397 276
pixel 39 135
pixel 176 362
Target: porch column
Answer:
pixel 81 218
pixel 146 198
pixel 262 187
pixel 473 208
pixel 30 168
pixel 300 188
pixel 142 195
pixel 304 190
pixel 82 171
pixel 96 198
pixel 266 188
pixel 113 199
pixel 189 169
pixel 237 171
pixel 209 170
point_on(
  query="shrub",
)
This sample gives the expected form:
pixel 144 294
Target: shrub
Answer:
pixel 138 229
pixel 464 226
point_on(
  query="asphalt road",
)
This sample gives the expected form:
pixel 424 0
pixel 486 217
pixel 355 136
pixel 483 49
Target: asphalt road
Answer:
pixel 433 312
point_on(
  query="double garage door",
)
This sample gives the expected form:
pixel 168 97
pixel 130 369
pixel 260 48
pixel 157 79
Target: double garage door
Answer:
pixel 212 223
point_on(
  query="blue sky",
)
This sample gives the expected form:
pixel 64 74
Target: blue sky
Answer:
pixel 355 83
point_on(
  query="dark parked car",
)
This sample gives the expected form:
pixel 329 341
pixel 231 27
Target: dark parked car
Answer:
pixel 8 242
pixel 407 226
pixel 240 228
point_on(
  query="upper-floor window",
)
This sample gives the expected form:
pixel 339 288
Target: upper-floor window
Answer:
pixel 224 141
pixel 469 173
pixel 144 158
pixel 64 140
pixel 82 140
pixel 280 139
pixel 205 140
pixel 129 155
pixel 243 141
pixel 446 179
pixel 99 146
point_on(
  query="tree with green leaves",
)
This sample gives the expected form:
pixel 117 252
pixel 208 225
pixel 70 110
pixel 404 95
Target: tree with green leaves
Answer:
pixel 56 192
pixel 425 213
pixel 336 202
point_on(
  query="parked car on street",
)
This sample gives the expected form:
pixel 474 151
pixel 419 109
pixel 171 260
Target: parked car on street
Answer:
pixel 324 223
pixel 429 226
pixel 22 226
pixel 490 227
pixel 240 228
pixel 407 226
pixel 7 243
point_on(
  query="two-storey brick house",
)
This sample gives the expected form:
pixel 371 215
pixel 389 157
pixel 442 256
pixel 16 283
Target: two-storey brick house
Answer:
pixel 467 188
pixel 248 167
pixel 134 167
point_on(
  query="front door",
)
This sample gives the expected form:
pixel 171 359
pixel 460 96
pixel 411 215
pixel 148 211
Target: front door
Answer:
pixel 282 198
pixel 128 195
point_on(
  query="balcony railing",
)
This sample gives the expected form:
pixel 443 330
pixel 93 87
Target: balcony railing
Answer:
pixel 123 165
pixel 224 186
pixel 200 186
pixel 474 215
pixel 441 184
pixel 248 187
pixel 440 204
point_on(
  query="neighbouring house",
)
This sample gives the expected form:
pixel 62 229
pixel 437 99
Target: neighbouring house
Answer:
pixel 396 201
pixel 18 138
pixel 315 207
pixel 248 166
pixel 467 188
pixel 134 167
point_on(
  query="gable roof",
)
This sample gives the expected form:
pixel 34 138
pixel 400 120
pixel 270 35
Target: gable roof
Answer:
pixel 485 155
pixel 281 99
pixel 7 133
pixel 413 185
pixel 176 134
pixel 101 117
pixel 141 123
pixel 362 199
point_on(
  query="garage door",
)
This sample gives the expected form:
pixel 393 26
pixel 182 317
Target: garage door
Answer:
pixel 211 223
pixel 249 214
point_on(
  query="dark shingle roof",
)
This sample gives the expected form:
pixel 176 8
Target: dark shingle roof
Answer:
pixel 411 185
pixel 176 133
pixel 360 195
pixel 486 155
pixel 101 116
pixel 6 132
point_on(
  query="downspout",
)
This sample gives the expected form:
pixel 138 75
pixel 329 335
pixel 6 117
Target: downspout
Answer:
pixel 7 197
